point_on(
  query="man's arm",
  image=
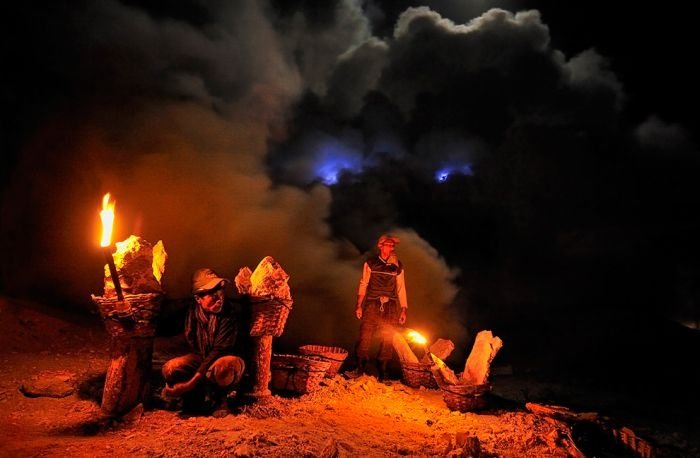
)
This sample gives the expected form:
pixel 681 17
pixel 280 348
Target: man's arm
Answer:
pixel 362 289
pixel 223 344
pixel 181 388
pixel 401 293
pixel 225 339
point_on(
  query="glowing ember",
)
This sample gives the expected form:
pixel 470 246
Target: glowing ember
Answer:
pixel 107 217
pixel 416 337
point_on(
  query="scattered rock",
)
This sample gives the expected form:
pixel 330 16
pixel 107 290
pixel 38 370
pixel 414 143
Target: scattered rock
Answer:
pixel 442 348
pixel 330 449
pixel 49 384
pixel 469 444
pixel 244 450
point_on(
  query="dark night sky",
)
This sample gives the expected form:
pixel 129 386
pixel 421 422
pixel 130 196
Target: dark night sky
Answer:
pixel 539 159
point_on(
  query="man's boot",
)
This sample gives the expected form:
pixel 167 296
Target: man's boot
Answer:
pixel 196 402
pixel 360 369
pixel 222 401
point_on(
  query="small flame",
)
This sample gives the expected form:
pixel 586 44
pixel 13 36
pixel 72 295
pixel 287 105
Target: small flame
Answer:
pixel 107 217
pixel 438 361
pixel 416 337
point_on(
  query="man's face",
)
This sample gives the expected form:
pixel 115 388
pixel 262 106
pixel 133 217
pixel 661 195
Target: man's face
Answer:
pixel 386 249
pixel 212 301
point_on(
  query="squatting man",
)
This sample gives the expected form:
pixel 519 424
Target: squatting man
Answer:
pixel 206 377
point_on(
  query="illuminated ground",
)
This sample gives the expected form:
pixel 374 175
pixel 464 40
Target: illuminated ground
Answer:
pixel 358 417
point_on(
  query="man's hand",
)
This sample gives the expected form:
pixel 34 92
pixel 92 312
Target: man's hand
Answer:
pixel 358 307
pixel 358 312
pixel 402 317
pixel 177 390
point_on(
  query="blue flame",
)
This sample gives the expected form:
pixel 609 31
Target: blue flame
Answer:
pixel 333 159
pixel 444 173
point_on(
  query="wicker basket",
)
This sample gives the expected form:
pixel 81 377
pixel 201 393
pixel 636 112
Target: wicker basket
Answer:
pixel 136 316
pixel 268 317
pixel 416 375
pixel 297 373
pixel 464 398
pixel 334 355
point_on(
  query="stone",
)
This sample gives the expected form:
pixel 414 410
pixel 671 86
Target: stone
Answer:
pixel 48 384
pixel 140 266
pixel 442 372
pixel 402 349
pixel 270 280
pixel 242 280
pixel 478 366
pixel 442 348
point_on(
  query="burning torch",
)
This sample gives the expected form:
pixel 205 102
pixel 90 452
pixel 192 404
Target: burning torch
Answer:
pixel 417 337
pixel 107 217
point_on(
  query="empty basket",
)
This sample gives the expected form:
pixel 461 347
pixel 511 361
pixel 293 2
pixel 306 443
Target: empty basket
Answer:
pixel 297 373
pixel 334 355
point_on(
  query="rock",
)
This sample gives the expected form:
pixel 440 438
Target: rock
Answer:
pixel 140 265
pixel 462 445
pixel 244 450
pixel 442 348
pixel 441 372
pixel 330 449
pixel 402 349
pixel 270 280
pixel 49 384
pixel 242 280
pixel 478 366
pixel 470 445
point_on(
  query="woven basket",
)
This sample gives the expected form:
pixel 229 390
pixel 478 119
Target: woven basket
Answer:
pixel 334 355
pixel 136 316
pixel 297 373
pixel 464 398
pixel 416 375
pixel 268 317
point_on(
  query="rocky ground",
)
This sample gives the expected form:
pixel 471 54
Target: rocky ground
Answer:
pixel 66 357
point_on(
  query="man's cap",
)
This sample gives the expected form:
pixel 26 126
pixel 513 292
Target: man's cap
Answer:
pixel 388 238
pixel 205 279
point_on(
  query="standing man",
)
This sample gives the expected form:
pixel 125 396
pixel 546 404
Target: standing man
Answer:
pixel 381 303
pixel 210 370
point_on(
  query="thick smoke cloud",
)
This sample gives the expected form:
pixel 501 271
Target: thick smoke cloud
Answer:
pixel 315 37
pixel 655 134
pixel 445 84
pixel 303 130
pixel 534 146
pixel 173 118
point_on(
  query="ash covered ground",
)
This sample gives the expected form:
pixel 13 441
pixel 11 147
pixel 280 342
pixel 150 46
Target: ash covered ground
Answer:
pixel 358 417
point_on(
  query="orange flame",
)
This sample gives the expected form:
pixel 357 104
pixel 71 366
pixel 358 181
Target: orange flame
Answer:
pixel 416 337
pixel 438 361
pixel 107 217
